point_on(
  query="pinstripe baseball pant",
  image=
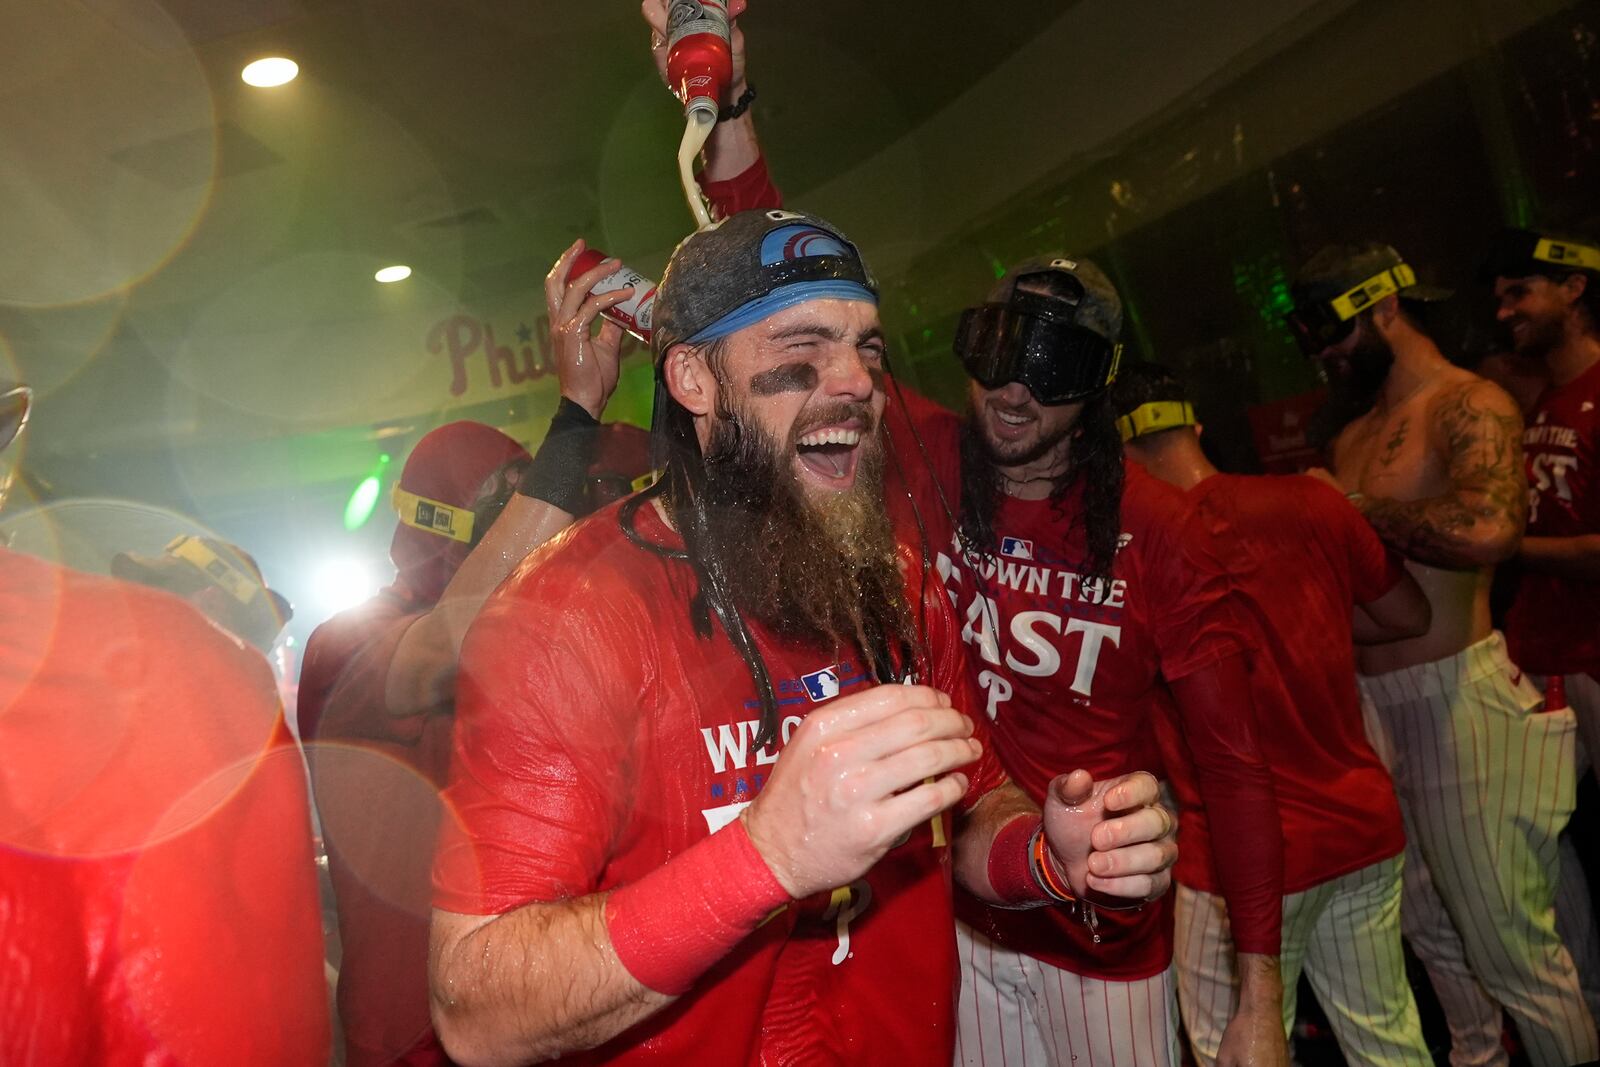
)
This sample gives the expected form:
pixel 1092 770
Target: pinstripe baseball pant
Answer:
pixel 1472 1015
pixel 1486 784
pixel 1344 934
pixel 1016 1011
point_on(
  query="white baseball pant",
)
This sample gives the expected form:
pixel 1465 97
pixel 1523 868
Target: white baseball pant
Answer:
pixel 1471 1013
pixel 1016 1011
pixel 1486 784
pixel 1344 934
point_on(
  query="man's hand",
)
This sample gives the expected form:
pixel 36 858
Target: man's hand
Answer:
pixel 655 13
pixel 853 778
pixel 587 364
pixel 1111 837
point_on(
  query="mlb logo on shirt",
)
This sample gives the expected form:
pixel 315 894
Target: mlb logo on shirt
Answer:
pixel 1016 547
pixel 821 685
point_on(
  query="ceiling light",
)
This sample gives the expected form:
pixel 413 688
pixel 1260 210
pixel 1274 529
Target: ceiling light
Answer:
pixel 397 273
pixel 270 72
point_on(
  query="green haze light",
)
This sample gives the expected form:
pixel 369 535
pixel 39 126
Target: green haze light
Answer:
pixel 364 501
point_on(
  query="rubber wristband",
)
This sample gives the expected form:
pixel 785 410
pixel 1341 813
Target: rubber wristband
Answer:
pixel 560 469
pixel 672 925
pixel 1044 869
pixel 1011 866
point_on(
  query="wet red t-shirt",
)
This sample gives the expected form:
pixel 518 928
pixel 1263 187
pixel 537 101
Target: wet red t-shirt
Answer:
pixel 1553 626
pixel 1300 557
pixel 598 735
pixel 1072 671
pixel 376 779
pixel 158 899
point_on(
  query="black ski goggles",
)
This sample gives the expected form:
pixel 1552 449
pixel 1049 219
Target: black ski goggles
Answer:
pixel 1058 360
pixel 1320 324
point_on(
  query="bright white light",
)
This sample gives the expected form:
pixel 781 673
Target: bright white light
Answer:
pixel 397 273
pixel 270 72
pixel 343 583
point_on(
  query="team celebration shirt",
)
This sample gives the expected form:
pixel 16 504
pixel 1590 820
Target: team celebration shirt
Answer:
pixel 599 735
pixel 1553 626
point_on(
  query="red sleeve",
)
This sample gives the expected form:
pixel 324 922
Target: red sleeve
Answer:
pixel 1202 638
pixel 344 680
pixel 746 191
pixel 545 721
pixel 1218 719
pixel 950 675
pixel 1374 567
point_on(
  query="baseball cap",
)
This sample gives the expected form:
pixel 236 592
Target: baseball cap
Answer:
pixel 1516 253
pixel 189 564
pixel 750 266
pixel 441 482
pixel 1098 309
pixel 1340 282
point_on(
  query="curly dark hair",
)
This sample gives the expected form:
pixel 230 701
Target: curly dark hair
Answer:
pixel 1095 460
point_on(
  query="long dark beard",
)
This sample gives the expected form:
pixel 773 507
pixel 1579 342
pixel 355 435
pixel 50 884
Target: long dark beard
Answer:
pixel 818 571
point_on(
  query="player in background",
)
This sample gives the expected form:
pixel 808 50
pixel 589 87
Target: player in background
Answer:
pixel 158 899
pixel 679 757
pixel 222 580
pixel 1302 560
pixel 1085 590
pixel 1485 777
pixel 1547 291
pixel 378 681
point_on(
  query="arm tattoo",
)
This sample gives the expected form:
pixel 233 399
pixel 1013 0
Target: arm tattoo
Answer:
pixel 1479 518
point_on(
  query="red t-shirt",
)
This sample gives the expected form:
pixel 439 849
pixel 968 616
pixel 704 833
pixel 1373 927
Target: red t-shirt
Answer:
pixel 158 898
pixel 377 779
pixel 1073 672
pixel 1300 557
pixel 751 188
pixel 598 736
pixel 1553 626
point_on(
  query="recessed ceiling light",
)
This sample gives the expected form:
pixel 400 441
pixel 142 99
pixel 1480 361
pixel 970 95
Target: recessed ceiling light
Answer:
pixel 270 72
pixel 397 273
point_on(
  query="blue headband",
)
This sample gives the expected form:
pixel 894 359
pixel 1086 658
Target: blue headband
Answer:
pixel 781 299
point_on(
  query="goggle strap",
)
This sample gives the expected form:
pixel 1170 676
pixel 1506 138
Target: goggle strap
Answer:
pixel 225 574
pixel 1156 415
pixel 1565 254
pixel 1354 301
pixel 432 516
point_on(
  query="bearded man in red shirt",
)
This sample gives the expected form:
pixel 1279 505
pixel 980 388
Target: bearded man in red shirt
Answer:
pixel 696 813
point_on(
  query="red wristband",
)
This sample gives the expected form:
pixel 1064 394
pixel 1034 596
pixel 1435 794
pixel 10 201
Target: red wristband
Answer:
pixel 671 925
pixel 1011 867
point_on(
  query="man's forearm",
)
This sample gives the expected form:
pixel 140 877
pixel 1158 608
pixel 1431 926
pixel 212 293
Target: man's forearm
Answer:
pixel 733 147
pixel 531 984
pixel 1456 530
pixel 1260 982
pixel 1567 557
pixel 422 674
pixel 975 834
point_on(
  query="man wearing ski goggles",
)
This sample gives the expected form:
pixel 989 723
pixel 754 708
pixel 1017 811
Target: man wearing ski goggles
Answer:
pixel 1318 325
